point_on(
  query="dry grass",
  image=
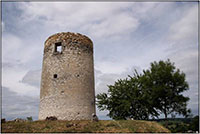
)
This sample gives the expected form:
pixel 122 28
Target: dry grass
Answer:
pixel 84 126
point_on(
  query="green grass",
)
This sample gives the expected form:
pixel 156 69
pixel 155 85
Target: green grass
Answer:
pixel 84 126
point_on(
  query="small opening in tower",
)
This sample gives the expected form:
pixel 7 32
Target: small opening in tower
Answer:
pixel 55 76
pixel 58 47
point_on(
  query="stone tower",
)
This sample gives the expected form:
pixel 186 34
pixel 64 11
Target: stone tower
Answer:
pixel 67 84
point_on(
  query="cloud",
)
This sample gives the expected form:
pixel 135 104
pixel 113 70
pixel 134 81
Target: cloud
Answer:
pixel 18 56
pixel 12 75
pixel 148 11
pixel 186 28
pixel 16 48
pixel 33 78
pixel 104 79
pixel 117 25
pixel 17 106
pixel 100 20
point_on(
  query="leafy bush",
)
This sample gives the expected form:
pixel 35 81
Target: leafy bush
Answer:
pixel 29 118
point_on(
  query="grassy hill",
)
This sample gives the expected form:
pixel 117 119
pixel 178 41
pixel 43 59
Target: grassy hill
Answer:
pixel 102 126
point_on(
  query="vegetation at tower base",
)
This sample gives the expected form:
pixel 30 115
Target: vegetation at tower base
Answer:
pixel 157 91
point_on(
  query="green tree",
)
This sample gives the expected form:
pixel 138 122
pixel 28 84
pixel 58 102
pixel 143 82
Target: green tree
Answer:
pixel 125 99
pixel 166 85
pixel 158 90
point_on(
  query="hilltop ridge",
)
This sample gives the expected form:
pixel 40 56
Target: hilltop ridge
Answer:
pixel 102 126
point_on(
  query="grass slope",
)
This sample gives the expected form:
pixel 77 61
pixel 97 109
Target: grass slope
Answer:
pixel 102 126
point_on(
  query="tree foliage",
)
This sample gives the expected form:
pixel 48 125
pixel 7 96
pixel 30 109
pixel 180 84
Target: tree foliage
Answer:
pixel 166 84
pixel 125 99
pixel 157 91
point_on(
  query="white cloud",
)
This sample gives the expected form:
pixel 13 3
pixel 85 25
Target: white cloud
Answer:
pixel 149 10
pixel 100 20
pixel 104 79
pixel 16 48
pixel 15 66
pixel 33 78
pixel 15 106
pixel 109 67
pixel 186 28
pixel 183 35
pixel 11 78
pixel 117 25
pixel 10 45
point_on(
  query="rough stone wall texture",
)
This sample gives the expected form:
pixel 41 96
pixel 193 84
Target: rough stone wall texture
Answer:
pixel 71 95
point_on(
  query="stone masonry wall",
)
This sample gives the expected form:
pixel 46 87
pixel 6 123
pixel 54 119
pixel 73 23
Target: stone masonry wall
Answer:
pixel 67 84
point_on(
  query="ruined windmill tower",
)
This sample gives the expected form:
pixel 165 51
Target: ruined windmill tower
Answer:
pixel 67 84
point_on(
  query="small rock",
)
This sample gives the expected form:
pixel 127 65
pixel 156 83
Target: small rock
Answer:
pixel 94 117
pixel 19 120
pixel 51 118
pixel 71 124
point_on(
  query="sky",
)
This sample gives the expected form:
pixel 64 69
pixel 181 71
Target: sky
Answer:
pixel 125 35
